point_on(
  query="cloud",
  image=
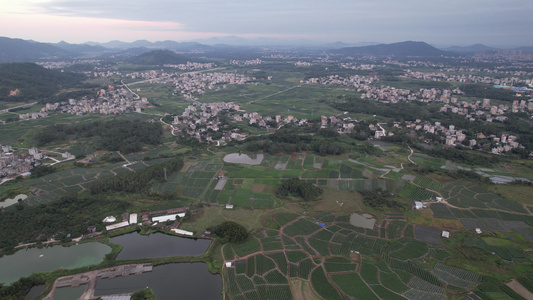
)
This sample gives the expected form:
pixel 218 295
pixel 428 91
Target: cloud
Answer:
pixel 381 20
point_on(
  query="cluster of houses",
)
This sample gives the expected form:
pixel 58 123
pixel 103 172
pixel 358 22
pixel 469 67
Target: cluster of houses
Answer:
pixel 160 219
pixel 453 136
pixel 385 94
pixel 250 62
pixel 12 164
pixel 191 84
pixel 441 76
pixel 191 66
pixel 111 101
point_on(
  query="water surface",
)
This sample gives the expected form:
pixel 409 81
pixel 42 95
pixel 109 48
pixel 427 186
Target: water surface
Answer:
pixel 137 246
pixel 69 293
pixel 247 159
pixel 364 220
pixel 26 262
pixel 9 202
pixel 169 282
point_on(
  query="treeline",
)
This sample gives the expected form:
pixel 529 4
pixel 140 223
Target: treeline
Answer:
pixel 380 199
pixel 299 188
pixel 138 181
pixel 292 139
pixel 70 214
pixel 467 174
pixel 34 83
pixel 408 111
pixel 487 91
pixel 116 135
pixel 463 156
pixel 18 289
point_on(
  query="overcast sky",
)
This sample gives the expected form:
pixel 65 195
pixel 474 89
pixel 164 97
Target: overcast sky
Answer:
pixel 451 22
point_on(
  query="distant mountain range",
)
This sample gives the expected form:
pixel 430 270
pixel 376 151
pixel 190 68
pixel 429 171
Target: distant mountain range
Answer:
pixel 18 50
pixel 408 48
pixel 183 46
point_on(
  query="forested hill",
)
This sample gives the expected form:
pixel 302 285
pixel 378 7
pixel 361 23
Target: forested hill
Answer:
pixel 159 58
pixel 31 82
pixel 408 48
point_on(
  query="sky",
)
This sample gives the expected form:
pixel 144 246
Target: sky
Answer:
pixel 503 23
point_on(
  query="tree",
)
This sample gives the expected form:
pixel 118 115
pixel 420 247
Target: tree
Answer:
pixel 299 188
pixel 231 232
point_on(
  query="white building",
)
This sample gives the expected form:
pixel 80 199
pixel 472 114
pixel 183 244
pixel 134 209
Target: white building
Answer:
pixel 109 219
pixel 133 219
pixel 182 232
pixel 165 218
pixel 118 225
pixel 418 205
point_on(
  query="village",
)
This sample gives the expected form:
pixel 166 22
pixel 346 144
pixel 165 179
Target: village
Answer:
pixel 13 165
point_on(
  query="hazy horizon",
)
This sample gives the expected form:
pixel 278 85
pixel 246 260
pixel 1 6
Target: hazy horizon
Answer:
pixel 450 23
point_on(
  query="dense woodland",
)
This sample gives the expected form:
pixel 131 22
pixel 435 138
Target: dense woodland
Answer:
pixel 73 213
pixel 231 232
pixel 35 83
pixel 139 181
pixel 299 188
pixel 117 135
pixel 380 199
pixel 70 214
pixel 293 139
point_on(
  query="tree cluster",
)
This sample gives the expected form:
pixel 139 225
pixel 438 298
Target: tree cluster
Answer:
pixel 116 135
pixel 487 91
pixel 231 231
pixel 299 188
pixel 463 156
pixel 70 214
pixel 144 294
pixel 18 289
pixel 42 170
pixel 379 199
pixel 34 83
pixel 292 139
pixel 139 181
pixel 409 111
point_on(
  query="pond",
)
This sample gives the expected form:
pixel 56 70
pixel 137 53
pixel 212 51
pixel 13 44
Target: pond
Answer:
pixel 26 262
pixel 9 202
pixel 238 158
pixel 363 221
pixel 69 293
pixel 169 282
pixel 137 246
pixel 35 292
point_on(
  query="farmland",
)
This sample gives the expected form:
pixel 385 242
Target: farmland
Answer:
pixel 314 243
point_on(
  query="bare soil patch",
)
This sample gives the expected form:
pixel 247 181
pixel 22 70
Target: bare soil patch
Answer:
pixel 520 289
pixel 301 290
pixel 187 165
pixel 258 187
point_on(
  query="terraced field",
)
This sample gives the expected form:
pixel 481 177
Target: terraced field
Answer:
pixel 340 261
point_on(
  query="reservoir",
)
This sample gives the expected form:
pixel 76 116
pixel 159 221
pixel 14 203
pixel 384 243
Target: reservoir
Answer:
pixel 364 220
pixel 169 282
pixel 26 262
pixel 137 246
pixel 251 159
